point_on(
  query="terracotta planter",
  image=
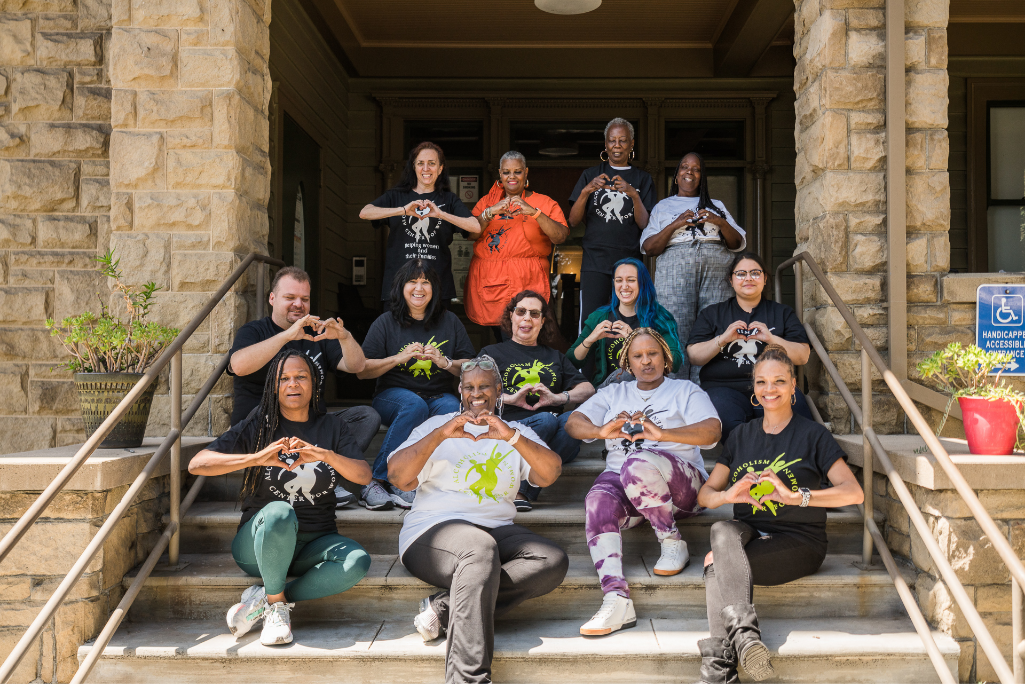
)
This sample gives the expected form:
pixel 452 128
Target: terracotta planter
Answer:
pixel 100 393
pixel 990 426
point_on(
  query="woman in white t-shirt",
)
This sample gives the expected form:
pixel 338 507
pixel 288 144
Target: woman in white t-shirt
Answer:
pixel 693 238
pixel 652 428
pixel 460 535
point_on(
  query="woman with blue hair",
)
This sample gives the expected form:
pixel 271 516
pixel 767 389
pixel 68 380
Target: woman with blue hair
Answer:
pixel 634 305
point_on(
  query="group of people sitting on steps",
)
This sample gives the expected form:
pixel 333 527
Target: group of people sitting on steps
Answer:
pixel 473 438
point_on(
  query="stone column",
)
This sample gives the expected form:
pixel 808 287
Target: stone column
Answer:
pixel 840 176
pixel 190 170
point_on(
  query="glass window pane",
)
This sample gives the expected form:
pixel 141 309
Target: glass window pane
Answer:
pixel 1006 239
pixel 559 139
pixel 724 189
pixel 710 139
pixel 1007 152
pixel 459 139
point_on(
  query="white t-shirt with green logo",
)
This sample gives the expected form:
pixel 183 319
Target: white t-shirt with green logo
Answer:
pixel 465 480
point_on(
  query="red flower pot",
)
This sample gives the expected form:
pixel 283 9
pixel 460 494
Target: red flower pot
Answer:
pixel 990 426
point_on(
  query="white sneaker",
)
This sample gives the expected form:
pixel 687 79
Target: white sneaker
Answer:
pixel 277 624
pixel 616 612
pixel 674 558
pixel 427 622
pixel 242 616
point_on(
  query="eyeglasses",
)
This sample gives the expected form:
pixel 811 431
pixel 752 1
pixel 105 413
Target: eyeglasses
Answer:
pixel 755 274
pixel 521 311
pixel 483 364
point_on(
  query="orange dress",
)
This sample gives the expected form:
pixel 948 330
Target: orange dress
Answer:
pixel 511 255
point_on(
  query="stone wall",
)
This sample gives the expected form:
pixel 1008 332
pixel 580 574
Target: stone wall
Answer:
pixel 54 202
pixel 190 168
pixel 841 182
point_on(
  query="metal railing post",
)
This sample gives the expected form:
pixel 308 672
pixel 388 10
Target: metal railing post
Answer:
pixel 259 290
pixel 867 471
pixel 1017 616
pixel 176 457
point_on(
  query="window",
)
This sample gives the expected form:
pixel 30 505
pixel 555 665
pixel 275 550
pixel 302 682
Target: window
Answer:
pixel 1005 198
pixel 713 140
pixel 462 140
pixel 569 140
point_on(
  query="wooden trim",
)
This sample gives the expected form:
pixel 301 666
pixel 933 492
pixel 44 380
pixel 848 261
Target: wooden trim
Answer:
pixel 896 190
pixel 981 91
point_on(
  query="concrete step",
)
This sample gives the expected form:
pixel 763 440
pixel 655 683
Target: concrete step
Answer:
pixel 210 526
pixel 819 651
pixel 209 583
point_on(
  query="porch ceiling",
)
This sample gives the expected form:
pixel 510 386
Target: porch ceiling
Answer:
pixel 622 38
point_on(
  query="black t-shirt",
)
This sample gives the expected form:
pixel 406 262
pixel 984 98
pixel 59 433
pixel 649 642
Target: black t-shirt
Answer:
pixel 614 345
pixel 521 365
pixel 325 355
pixel 387 338
pixel 610 231
pixel 733 365
pixel 310 488
pixel 801 454
pixel 415 237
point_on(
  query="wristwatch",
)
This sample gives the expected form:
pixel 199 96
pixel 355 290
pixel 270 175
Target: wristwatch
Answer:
pixel 805 496
pixel 567 396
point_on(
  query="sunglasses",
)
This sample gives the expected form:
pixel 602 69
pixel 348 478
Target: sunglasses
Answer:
pixel 756 274
pixel 522 311
pixel 484 364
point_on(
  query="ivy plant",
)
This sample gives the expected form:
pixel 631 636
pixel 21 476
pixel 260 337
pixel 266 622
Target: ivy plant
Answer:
pixel 111 342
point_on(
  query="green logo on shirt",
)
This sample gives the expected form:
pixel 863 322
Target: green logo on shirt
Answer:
pixel 763 489
pixel 488 475
pixel 521 374
pixel 423 366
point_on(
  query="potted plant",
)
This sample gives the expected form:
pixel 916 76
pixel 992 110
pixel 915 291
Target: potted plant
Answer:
pixel 993 412
pixel 110 352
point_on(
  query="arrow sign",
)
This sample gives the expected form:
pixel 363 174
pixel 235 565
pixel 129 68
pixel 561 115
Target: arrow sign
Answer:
pixel 1000 323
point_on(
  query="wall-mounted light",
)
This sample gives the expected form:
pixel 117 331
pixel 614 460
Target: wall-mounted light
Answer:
pixel 567 6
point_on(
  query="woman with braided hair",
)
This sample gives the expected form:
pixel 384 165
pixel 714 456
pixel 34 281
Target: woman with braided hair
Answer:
pixel 293 457
pixel 652 428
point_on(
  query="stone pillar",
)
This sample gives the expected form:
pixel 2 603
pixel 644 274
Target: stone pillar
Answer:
pixel 840 175
pixel 54 203
pixel 190 170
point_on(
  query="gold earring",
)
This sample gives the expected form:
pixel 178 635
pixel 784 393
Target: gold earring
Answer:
pixel 633 153
pixel 605 158
pixel 754 402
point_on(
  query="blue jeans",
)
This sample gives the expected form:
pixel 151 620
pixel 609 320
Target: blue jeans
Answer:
pixel 552 431
pixel 403 411
pixel 735 408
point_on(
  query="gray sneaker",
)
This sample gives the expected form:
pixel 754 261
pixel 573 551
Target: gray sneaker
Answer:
pixel 375 498
pixel 427 622
pixel 343 497
pixel 402 499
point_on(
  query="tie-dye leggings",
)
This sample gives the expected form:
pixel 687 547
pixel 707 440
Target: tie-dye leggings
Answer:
pixel 653 485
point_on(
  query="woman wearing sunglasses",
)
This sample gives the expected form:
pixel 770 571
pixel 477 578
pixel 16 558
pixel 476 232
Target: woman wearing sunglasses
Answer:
pixel 538 379
pixel 728 337
pixel 460 535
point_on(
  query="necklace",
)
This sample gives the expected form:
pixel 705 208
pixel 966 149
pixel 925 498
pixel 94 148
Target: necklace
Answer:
pixel 650 394
pixel 774 429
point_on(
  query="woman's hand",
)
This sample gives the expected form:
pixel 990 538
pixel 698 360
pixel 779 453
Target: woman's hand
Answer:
pixel 649 429
pixel 497 428
pixel 410 209
pixel 600 332
pixel 453 429
pixel 621 329
pixel 613 428
pixel 781 492
pixel 434 354
pixel 432 209
pixel 731 334
pixel 498 208
pixel 706 216
pixel 596 184
pixel 305 453
pixel 518 205
pixel 268 456
pixel 546 397
pixel 762 333
pixel 412 351
pixel 519 398
pixel 620 185
pixel 740 492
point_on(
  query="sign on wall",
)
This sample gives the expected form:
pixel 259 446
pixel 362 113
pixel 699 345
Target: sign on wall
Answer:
pixel 1000 322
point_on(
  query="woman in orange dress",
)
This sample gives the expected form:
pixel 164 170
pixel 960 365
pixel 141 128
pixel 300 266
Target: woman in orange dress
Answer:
pixel 519 227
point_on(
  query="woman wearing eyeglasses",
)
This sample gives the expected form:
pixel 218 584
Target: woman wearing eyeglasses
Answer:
pixel 538 379
pixel 693 237
pixel 460 535
pixel 728 337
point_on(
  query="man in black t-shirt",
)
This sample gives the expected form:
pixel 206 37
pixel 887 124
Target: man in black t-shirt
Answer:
pixel 326 342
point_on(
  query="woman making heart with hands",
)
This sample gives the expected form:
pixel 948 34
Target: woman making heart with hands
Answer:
pixel 460 534
pixel 727 338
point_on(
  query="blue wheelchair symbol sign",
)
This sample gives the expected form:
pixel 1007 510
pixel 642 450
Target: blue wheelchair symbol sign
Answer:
pixel 1000 319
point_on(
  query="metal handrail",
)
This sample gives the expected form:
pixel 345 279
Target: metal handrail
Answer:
pixel 872 445
pixel 171 443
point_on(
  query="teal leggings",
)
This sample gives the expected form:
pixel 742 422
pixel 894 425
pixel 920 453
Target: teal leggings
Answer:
pixel 270 546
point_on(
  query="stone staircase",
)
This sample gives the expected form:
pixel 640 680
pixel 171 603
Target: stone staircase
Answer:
pixel 839 625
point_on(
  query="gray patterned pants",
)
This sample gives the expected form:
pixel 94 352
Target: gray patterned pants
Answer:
pixel 689 277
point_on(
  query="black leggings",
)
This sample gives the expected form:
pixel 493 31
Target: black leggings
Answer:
pixel 742 559
pixel 595 292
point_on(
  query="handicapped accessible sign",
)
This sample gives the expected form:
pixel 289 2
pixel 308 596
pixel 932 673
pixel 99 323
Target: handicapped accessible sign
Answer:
pixel 1000 323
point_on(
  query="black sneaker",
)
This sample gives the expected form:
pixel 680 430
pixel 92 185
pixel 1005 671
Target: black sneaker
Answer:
pixel 522 505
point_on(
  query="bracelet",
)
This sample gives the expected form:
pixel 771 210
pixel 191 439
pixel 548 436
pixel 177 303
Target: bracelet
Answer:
pixel 486 215
pixel 717 343
pixel 511 441
pixel 585 345
pixel 536 213
pixel 566 392
pixel 449 363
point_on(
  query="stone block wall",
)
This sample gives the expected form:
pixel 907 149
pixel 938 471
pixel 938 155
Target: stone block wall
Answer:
pixel 54 203
pixel 190 169
pixel 841 181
